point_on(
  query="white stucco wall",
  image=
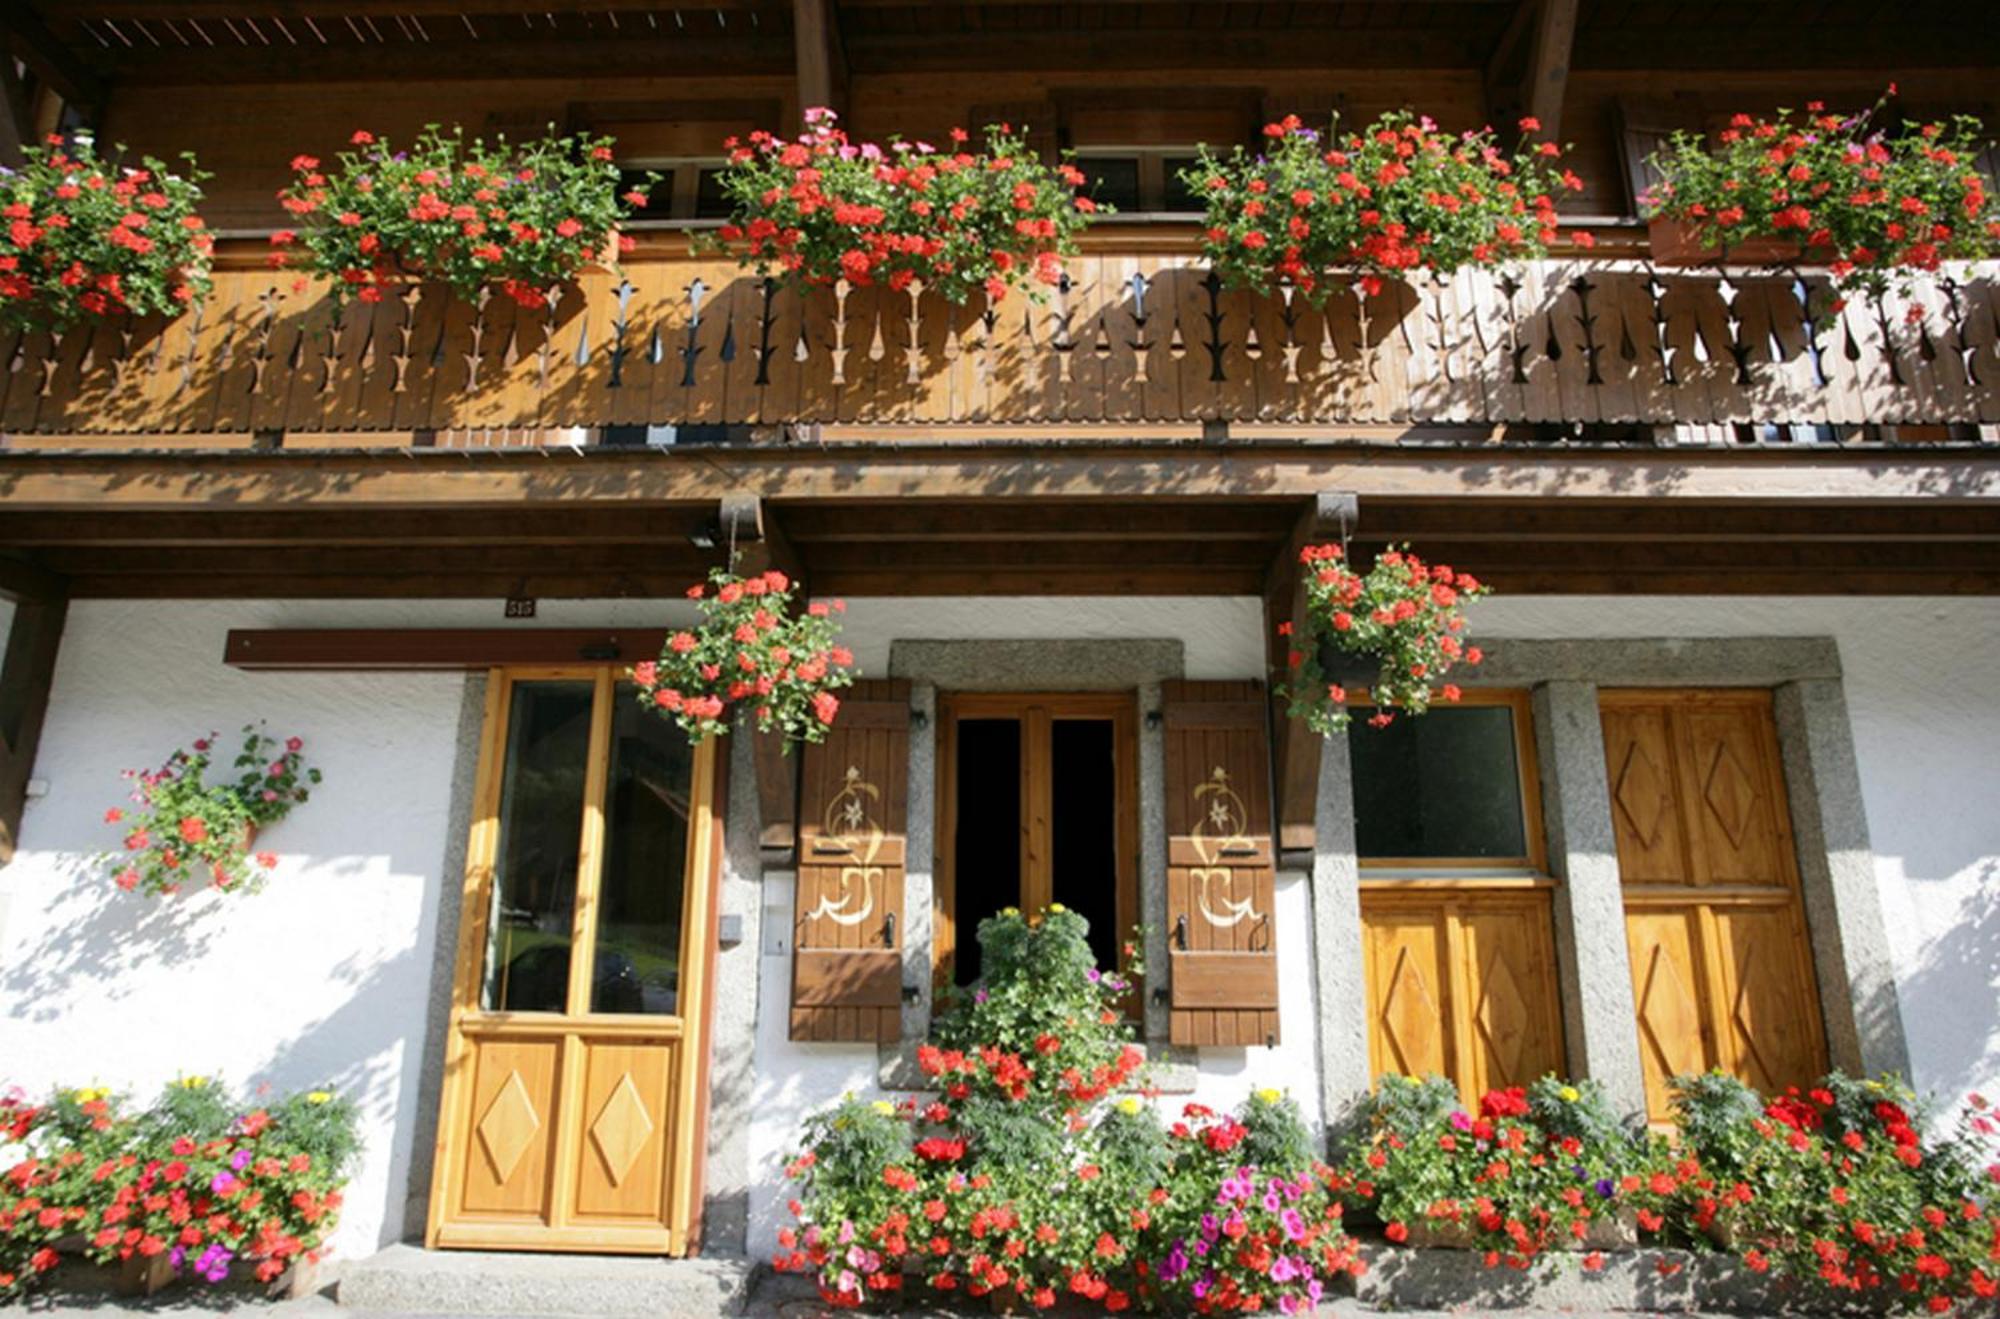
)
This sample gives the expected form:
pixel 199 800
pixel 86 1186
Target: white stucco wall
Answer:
pixel 326 975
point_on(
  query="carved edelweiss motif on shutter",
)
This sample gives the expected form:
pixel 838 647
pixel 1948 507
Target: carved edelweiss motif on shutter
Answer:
pixel 850 824
pixel 1220 809
pixel 1223 964
pixel 847 972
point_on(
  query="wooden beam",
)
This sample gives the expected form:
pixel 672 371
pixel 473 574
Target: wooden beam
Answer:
pixel 1295 749
pixel 24 580
pixel 504 483
pixel 734 52
pixel 760 547
pixel 53 62
pixel 33 641
pixel 1548 65
pixel 398 649
pixel 340 9
pixel 822 62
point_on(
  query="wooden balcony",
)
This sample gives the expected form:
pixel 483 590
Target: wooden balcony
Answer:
pixel 1141 341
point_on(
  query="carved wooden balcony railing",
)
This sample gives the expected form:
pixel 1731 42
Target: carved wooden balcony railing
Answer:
pixel 1141 337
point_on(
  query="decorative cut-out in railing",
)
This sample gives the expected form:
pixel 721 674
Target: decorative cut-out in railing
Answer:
pixel 1124 339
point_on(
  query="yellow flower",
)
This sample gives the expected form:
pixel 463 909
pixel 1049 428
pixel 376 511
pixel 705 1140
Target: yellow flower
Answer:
pixel 884 1107
pixel 1269 1096
pixel 1129 1106
pixel 319 1097
pixel 90 1095
pixel 1570 1093
pixel 1057 907
pixel 192 1082
pixel 1010 911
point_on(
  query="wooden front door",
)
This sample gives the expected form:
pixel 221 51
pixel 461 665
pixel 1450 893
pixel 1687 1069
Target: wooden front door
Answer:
pixel 1722 972
pixel 575 1064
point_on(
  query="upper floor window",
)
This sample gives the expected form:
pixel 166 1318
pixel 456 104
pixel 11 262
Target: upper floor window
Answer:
pixel 1453 789
pixel 688 188
pixel 1138 180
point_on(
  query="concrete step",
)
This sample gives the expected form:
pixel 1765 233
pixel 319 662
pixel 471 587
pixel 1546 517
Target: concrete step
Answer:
pixel 411 1280
pixel 1645 1281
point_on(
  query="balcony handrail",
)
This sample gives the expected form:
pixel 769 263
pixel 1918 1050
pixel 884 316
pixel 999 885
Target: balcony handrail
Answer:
pixel 1141 334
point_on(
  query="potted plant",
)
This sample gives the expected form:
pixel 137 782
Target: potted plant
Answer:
pixel 518 218
pixel 1534 1169
pixel 1397 197
pixel 87 238
pixel 1403 619
pixel 1876 205
pixel 194 1185
pixel 188 832
pixel 821 208
pixel 750 651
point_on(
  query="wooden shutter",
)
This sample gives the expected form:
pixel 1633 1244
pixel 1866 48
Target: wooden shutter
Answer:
pixel 1643 128
pixel 847 929
pixel 1223 956
pixel 1721 961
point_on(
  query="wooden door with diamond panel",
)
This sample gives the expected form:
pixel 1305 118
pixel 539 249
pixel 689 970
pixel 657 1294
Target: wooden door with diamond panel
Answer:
pixel 1721 960
pixel 577 1049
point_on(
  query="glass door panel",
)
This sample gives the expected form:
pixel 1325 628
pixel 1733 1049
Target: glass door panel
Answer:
pixel 639 894
pixel 535 866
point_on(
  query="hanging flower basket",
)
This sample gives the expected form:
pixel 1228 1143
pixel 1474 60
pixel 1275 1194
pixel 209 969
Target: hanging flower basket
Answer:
pixel 87 238
pixel 822 209
pixel 1398 197
pixel 517 218
pixel 1878 206
pixel 189 833
pixel 750 651
pixel 1403 620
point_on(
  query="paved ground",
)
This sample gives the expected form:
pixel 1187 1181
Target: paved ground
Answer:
pixel 322 1307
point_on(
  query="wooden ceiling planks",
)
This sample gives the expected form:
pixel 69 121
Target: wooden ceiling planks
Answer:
pixel 1127 339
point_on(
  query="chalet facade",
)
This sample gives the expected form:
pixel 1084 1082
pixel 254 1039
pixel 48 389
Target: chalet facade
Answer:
pixel 1721 795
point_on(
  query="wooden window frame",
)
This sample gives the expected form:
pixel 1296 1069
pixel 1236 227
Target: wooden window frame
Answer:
pixel 1530 870
pixel 1036 711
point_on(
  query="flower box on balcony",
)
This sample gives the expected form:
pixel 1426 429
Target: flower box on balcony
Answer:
pixel 1675 243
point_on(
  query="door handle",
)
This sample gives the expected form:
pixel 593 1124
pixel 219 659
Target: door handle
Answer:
pixel 889 930
pixel 1180 932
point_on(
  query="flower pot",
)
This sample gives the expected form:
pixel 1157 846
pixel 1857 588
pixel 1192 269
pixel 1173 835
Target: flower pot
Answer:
pixel 1439 1234
pixel 143 1275
pixel 1673 243
pixel 1616 1231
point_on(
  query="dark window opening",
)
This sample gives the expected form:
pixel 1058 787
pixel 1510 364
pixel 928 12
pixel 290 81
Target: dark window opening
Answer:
pixel 986 862
pixel 1084 829
pixel 1444 787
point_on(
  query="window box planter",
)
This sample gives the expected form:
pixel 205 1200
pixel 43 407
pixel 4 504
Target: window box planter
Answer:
pixel 1674 243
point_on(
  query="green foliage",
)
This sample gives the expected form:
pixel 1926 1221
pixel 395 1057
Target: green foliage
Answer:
pixel 751 651
pixel 822 208
pixel 520 218
pixel 189 832
pixel 89 237
pixel 1276 1138
pixel 213 1184
pixel 1396 197
pixel 1404 614
pixel 1405 1105
pixel 1881 202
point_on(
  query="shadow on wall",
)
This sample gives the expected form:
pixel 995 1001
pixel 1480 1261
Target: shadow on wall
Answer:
pixel 1948 997
pixel 100 943
pixel 96 937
